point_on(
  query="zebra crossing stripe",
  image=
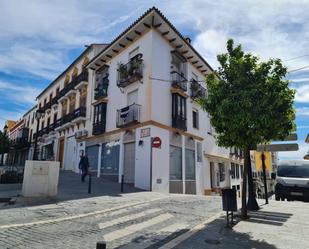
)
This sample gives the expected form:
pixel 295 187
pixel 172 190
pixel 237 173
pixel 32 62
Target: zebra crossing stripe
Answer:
pixel 173 228
pixel 136 227
pixel 128 218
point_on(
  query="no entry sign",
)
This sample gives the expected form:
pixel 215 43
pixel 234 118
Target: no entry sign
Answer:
pixel 156 142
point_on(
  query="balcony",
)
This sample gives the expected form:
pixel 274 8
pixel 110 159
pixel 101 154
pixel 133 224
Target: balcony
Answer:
pixel 98 128
pixel 101 90
pixel 81 80
pixel 21 140
pixel 128 116
pixel 179 81
pixel 179 122
pixel 130 72
pixel 197 91
pixel 79 114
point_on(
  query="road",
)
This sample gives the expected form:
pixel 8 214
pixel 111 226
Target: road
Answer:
pixel 135 220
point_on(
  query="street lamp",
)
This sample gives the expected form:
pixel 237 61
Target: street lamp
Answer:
pixel 38 115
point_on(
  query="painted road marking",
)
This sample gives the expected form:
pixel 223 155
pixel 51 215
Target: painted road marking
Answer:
pixel 128 218
pixel 175 242
pixel 173 228
pixel 79 215
pixel 136 227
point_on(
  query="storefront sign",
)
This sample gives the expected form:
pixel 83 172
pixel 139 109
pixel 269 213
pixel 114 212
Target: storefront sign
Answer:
pixel 156 142
pixel 145 132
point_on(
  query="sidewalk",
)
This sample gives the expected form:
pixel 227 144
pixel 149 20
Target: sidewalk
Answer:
pixel 279 225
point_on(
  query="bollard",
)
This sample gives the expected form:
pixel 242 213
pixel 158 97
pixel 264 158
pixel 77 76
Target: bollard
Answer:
pixel 122 183
pixel 101 245
pixel 89 184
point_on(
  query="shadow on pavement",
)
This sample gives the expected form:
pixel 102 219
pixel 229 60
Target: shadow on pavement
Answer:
pixel 269 218
pixel 70 187
pixel 214 236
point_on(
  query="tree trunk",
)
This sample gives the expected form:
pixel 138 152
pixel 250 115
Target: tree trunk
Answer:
pixel 244 214
pixel 252 203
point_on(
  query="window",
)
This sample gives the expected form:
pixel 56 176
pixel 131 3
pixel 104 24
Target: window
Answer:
pixel 133 53
pixel 42 124
pixel 190 164
pixel 110 158
pixel 175 163
pixel 99 118
pixel 45 100
pixel 48 122
pixel 241 170
pixel 179 112
pixel 194 76
pixel 233 170
pixel 199 152
pixel 237 171
pixel 179 64
pixel 57 91
pixel 51 97
pixel 221 172
pixel 195 119
pixel 55 117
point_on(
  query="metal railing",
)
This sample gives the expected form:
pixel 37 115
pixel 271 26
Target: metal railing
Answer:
pixel 179 122
pixel 197 91
pixel 128 115
pixel 178 80
pixel 79 112
pixel 130 72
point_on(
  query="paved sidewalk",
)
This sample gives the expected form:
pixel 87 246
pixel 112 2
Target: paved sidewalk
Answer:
pixel 279 225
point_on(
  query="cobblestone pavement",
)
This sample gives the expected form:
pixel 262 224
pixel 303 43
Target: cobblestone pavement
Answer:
pixel 132 220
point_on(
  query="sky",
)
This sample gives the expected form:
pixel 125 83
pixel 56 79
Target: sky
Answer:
pixel 40 38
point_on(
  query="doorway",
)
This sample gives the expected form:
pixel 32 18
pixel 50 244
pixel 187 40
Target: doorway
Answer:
pixel 129 163
pixel 61 150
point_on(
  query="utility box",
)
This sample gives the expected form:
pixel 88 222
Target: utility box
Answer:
pixel 40 179
pixel 229 199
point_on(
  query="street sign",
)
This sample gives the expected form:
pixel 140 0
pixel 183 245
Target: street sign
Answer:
pixel 291 137
pixel 156 142
pixel 277 147
pixel 259 163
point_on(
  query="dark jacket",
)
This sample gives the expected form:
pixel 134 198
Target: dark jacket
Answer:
pixel 84 163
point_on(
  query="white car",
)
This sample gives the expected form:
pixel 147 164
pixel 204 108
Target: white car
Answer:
pixel 292 180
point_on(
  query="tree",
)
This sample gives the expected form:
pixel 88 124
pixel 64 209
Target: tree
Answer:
pixel 249 103
pixel 4 145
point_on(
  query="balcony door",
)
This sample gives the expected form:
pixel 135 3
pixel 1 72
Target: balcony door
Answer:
pixel 132 97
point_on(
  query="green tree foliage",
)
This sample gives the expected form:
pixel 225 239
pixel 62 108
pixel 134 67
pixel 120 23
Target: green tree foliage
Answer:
pixel 249 102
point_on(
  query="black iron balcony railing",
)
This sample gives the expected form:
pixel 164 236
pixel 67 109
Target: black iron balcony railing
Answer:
pixel 130 72
pixel 79 112
pixel 128 115
pixel 21 140
pixel 197 91
pixel 98 128
pixel 101 90
pixel 179 122
pixel 178 80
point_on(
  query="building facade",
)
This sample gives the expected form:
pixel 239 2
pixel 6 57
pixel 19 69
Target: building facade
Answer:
pixel 132 106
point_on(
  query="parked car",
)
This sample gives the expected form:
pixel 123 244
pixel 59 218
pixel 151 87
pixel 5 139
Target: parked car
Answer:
pixel 292 180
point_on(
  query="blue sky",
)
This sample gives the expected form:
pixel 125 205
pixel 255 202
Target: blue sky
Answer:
pixel 40 38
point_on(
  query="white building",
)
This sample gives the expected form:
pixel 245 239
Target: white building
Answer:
pixel 114 101
pixel 148 80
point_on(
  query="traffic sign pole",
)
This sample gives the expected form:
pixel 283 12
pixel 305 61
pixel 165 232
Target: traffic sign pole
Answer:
pixel 263 157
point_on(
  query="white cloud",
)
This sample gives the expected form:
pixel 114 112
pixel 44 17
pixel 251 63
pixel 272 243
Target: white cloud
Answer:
pixel 302 94
pixel 302 127
pixel 302 111
pixel 24 95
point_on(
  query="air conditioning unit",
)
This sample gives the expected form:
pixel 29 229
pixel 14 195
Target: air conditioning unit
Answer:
pixel 84 133
pixel 78 134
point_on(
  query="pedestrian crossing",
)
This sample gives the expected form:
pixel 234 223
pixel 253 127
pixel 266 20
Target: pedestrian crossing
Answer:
pixel 137 226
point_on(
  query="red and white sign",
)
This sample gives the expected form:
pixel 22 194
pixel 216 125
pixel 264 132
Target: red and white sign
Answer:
pixel 156 142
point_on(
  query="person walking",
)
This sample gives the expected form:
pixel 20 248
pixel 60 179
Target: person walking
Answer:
pixel 84 165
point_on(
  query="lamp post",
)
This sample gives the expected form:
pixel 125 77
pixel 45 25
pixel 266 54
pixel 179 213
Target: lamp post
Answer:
pixel 38 115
